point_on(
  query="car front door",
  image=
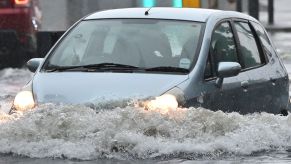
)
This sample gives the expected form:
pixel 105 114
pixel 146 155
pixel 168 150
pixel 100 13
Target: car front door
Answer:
pixel 223 48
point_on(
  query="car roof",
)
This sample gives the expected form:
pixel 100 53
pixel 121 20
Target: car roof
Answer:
pixel 188 14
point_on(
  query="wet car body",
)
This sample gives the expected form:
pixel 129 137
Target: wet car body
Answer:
pixel 234 67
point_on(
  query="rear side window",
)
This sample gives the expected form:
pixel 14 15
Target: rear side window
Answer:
pixel 248 45
pixel 266 43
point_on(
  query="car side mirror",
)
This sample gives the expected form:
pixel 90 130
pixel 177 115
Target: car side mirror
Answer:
pixel 227 69
pixel 33 64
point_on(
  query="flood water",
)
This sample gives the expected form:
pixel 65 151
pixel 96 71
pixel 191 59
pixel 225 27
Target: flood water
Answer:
pixel 78 134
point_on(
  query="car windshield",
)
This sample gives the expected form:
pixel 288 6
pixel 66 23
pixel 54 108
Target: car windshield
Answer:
pixel 138 43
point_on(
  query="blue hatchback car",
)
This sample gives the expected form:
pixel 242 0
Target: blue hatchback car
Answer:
pixel 220 60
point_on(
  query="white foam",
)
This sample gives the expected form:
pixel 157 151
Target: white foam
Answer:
pixel 79 132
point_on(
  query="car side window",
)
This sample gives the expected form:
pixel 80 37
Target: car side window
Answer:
pixel 222 47
pixel 248 45
pixel 266 43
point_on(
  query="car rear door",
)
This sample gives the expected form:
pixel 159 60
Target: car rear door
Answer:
pixel 265 82
pixel 277 95
pixel 253 64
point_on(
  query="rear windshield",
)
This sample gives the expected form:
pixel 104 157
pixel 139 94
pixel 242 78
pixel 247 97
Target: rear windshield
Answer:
pixel 143 43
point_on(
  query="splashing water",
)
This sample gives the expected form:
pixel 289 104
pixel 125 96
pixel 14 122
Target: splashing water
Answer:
pixel 11 82
pixel 79 132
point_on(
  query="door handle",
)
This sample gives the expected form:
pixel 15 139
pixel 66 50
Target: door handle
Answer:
pixel 273 81
pixel 244 84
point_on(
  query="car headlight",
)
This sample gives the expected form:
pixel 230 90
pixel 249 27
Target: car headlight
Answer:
pixel 169 101
pixel 162 103
pixel 23 101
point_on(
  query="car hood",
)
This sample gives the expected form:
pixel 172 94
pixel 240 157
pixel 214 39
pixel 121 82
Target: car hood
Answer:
pixel 80 87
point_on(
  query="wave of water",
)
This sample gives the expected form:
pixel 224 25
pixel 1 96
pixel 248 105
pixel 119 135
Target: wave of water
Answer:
pixel 11 82
pixel 79 132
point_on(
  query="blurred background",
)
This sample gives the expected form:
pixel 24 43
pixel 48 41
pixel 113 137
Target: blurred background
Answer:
pixel 70 11
pixel 60 14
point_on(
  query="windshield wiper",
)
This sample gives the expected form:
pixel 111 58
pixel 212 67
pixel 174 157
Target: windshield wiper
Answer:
pixel 168 69
pixel 91 67
pixel 113 67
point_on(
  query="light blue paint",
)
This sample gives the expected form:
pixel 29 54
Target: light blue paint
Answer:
pixel 177 3
pixel 148 3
